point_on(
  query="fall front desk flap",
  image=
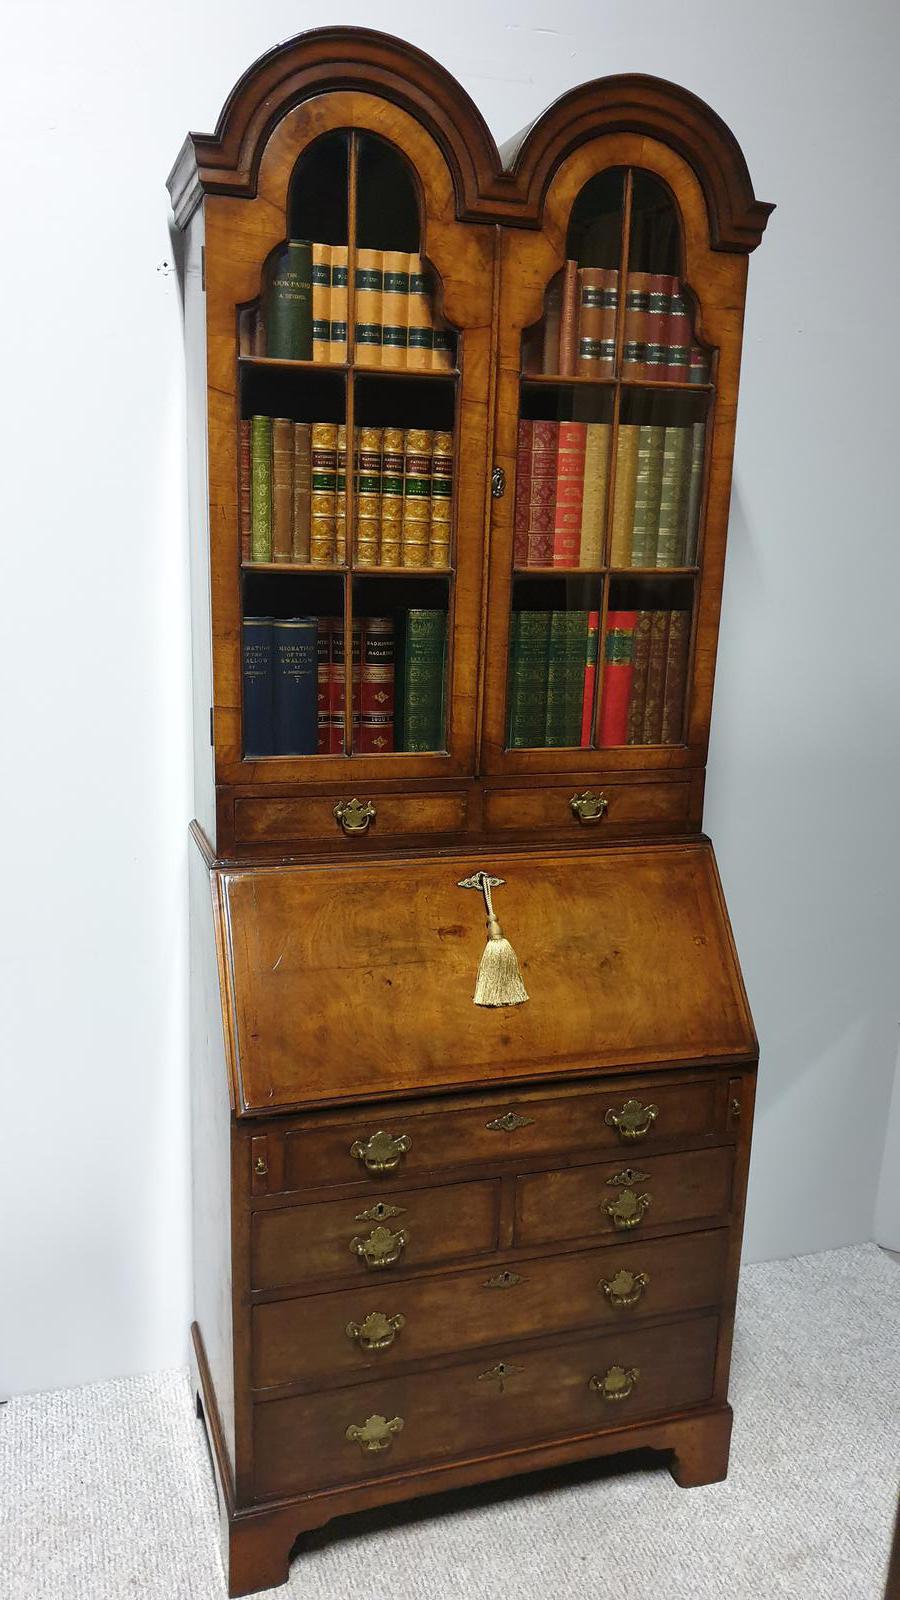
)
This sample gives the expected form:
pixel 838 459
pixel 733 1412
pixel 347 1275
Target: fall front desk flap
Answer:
pixel 359 979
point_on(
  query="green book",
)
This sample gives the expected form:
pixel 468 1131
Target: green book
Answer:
pixel 694 491
pixel 260 488
pixel 420 703
pixel 565 678
pixel 289 329
pixel 647 490
pixel 528 651
pixel 676 466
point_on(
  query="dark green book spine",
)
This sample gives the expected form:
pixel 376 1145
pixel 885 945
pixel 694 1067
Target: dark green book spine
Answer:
pixel 565 678
pixel 529 646
pixel 261 489
pixel 421 700
pixel 289 330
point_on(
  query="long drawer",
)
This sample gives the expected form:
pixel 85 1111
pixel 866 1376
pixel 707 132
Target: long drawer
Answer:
pixel 367 1430
pixel 646 1193
pixel 379 1327
pixel 349 1238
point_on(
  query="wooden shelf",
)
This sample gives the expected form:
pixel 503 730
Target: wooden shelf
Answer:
pixel 613 572
pixel 355 571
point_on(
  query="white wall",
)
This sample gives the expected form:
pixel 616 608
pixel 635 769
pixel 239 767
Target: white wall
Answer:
pixel 803 775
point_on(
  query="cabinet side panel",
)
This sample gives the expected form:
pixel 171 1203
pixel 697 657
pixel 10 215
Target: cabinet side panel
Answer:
pixel 198 513
pixel 211 1152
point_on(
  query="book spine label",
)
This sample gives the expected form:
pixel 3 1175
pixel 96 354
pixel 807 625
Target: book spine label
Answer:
pixel 623 503
pixel 656 678
pixel 340 498
pixel 369 285
pixel 529 652
pixel 337 345
pixel 416 497
pixel 657 324
pixel 323 492
pixel 419 327
pixel 368 495
pixel 392 465
pixel 568 320
pixel 694 494
pixel 676 677
pixel 552 314
pixel 542 515
pixel 376 718
pixel 294 686
pixel 637 307
pixel 323 685
pixel 423 680
pixel 261 489
pixel 244 481
pixel 289 303
pixel 441 499
pixel 256 637
pixel 596 340
pixel 676 466
pixel 522 513
pixel 302 485
pixel 570 453
pixel 647 488
pixel 678 336
pixel 321 302
pixel 394 308
pixel 618 676
pixel 282 488
pixel 593 507
pixel 592 647
pixel 635 726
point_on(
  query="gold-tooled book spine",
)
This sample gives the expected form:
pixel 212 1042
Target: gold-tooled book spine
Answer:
pixel 340 499
pixel 416 497
pixel 323 487
pixel 623 509
pixel 641 658
pixel 394 308
pixel 321 302
pixel 656 678
pixel 419 328
pixel 302 475
pixel 593 505
pixel 337 347
pixel 369 287
pixel 368 495
pixel 393 451
pixel 441 499
pixel 282 488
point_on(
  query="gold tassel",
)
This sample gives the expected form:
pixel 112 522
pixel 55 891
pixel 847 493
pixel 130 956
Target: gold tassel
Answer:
pixel 499 981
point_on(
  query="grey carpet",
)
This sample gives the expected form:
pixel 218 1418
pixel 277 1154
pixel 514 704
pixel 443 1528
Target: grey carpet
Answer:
pixel 105 1491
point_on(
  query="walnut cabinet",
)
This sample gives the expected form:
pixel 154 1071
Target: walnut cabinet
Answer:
pixel 458 526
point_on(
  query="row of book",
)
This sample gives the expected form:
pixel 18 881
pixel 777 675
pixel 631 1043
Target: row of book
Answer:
pixel 561 493
pixel 645 665
pixel 293 479
pixel 294 675
pixel 305 307
pixel 577 337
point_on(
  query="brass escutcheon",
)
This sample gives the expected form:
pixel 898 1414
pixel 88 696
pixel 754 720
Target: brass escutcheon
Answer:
pixel 377 1331
pixel 634 1121
pixel 499 1375
pixel 589 807
pixel 376 1433
pixel 624 1288
pixel 354 815
pixel 509 1122
pixel 627 1209
pixel 503 1280
pixel 382 1247
pixel 616 1383
pixel 381 1152
pixel 261 1166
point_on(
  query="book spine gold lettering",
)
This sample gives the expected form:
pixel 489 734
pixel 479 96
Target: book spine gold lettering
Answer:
pixel 441 499
pixel 282 488
pixel 416 497
pixel 340 499
pixel 623 503
pixel 323 491
pixel 261 489
pixel 394 308
pixel 321 302
pixel 568 320
pixel 392 465
pixel 368 495
pixel 337 345
pixel 593 508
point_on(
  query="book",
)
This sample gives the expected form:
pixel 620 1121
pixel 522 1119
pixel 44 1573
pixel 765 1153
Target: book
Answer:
pixel 552 313
pixel 623 503
pixel 596 336
pixel 368 283
pixel 570 453
pixel 566 656
pixel 592 646
pixel 368 495
pixel 261 488
pixel 618 675
pixel 324 629
pixel 376 715
pixel 338 683
pixel 294 686
pixel 678 336
pixel 527 687
pixel 524 464
pixel 593 505
pixel 244 471
pixel 394 308
pixel 416 497
pixel 637 307
pixel 302 485
pixel 693 499
pixel 568 320
pixel 675 677
pixel 441 498
pixel 419 329
pixel 393 455
pixel 542 511
pixel 337 347
pixel 656 323
pixel 641 660
pixel 698 365
pixel 282 488
pixel 647 490
pixel 420 696
pixel 340 498
pixel 323 488
pixel 289 302
pixel 256 662
pixel 656 678
pixel 676 466
pixel 443 350
pixel 321 302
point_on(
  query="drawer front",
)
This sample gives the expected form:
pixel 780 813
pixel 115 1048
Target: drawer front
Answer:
pixel 349 1238
pixel 311 819
pixel 376 1328
pixel 520 1126
pixel 666 804
pixel 622 1198
pixel 479 1407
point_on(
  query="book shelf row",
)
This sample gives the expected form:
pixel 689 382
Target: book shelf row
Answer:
pixel 577 334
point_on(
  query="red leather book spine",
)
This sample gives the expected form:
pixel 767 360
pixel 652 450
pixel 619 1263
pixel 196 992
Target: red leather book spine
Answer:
pixel 678 337
pixel 660 299
pixel 376 713
pixel 545 438
pixel 590 678
pixel 637 306
pixel 522 515
pixel 610 313
pixel 571 445
pixel 568 320
pixel 618 674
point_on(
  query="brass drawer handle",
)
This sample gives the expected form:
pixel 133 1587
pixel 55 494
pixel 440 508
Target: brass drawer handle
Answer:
pixel 616 1383
pixel 381 1152
pixel 376 1433
pixel 382 1248
pixel 627 1209
pixel 354 815
pixel 261 1166
pixel 634 1121
pixel 377 1331
pixel 624 1288
pixel 588 807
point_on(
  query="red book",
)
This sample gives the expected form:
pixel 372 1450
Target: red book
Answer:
pixel 637 307
pixel 571 445
pixel 524 466
pixel 336 689
pixel 618 674
pixel 656 351
pixel 590 678
pixel 568 320
pixel 376 707
pixel 542 513
pixel 324 627
pixel 678 337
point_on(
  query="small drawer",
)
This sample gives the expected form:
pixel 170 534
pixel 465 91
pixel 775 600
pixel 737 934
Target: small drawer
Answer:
pixel 349 1238
pixel 311 820
pixel 630 1197
pixel 660 806
pixel 397 1140
pixel 369 1430
pixel 376 1329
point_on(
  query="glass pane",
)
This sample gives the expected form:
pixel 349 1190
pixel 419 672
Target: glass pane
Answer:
pixel 554 630
pixel 292 655
pixel 645 661
pixel 402 628
pixel 292 437
pixel 405 472
pixel 659 341
pixel 562 476
pixel 659 466
pixel 576 335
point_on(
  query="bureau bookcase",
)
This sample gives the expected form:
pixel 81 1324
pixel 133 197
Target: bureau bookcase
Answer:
pixel 457 548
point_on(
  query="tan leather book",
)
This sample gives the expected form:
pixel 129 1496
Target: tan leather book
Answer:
pixel 593 505
pixel 393 450
pixel 282 488
pixel 394 308
pixel 419 327
pixel 302 474
pixel 340 498
pixel 369 280
pixel 321 302
pixel 323 485
pixel 416 497
pixel 368 495
pixel 623 507
pixel 441 499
